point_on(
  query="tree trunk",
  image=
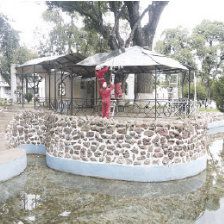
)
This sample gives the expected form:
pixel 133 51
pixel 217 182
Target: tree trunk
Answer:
pixel 144 83
pixel 144 37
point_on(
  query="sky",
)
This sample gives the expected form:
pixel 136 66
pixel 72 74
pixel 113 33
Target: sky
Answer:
pixel 26 15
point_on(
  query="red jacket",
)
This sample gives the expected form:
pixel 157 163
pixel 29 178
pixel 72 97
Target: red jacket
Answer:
pixel 105 93
pixel 100 75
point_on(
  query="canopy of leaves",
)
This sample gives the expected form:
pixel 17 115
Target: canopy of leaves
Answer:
pixel 95 17
pixel 203 49
pixel 65 37
pixel 9 41
pixel 10 50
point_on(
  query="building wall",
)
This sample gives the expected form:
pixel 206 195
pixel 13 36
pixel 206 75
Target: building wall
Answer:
pixel 5 91
pixel 82 88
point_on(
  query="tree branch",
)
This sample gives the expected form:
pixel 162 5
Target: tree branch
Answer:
pixel 115 35
pixel 127 43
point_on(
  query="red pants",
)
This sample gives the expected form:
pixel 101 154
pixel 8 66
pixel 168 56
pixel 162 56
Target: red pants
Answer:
pixel 117 90
pixel 106 109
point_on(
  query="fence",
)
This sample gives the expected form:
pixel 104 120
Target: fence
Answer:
pixel 144 108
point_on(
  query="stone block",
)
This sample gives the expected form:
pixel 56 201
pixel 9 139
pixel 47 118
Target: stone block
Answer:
pixel 134 150
pixel 90 134
pixel 121 130
pixel 165 160
pixel 170 155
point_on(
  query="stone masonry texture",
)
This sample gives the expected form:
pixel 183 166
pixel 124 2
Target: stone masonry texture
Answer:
pixel 98 140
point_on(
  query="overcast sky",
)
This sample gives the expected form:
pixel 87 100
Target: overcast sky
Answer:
pixel 187 13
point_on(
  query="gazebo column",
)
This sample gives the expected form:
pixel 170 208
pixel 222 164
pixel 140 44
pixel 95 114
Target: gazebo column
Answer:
pixel 49 88
pixel 155 93
pixel 96 84
pixel 71 103
pixel 183 78
pixel 34 101
pixel 189 91
pixel 55 91
pixel 61 104
pixel 22 88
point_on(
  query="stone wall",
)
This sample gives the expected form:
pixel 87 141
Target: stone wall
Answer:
pixel 27 128
pixel 93 139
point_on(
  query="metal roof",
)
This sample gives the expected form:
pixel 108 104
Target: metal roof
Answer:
pixel 135 59
pixel 42 65
pixel 140 59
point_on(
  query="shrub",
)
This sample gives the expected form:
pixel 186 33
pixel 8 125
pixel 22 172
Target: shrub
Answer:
pixel 28 97
pixel 218 93
pixel 201 91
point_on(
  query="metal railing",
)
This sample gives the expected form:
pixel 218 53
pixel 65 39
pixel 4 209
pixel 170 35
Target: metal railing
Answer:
pixel 142 108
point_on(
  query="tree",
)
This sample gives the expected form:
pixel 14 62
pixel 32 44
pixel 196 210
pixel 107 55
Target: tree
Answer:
pixel 9 41
pixel 208 42
pixel 201 91
pixel 65 37
pixel 218 93
pixel 203 49
pixel 10 50
pixel 28 97
pixel 94 14
pixel 176 44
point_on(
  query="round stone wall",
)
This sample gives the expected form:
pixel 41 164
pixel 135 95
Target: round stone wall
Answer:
pixel 93 140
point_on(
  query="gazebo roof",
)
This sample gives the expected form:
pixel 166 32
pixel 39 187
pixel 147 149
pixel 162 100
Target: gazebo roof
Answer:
pixel 42 65
pixel 134 59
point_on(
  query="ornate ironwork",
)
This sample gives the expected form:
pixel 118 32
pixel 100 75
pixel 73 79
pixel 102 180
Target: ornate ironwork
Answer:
pixel 143 108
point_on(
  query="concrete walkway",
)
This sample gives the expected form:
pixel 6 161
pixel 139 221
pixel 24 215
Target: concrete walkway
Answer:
pixel 5 118
pixel 12 161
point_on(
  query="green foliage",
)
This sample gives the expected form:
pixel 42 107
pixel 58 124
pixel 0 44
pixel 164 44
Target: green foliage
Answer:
pixel 28 97
pixel 105 18
pixel 22 54
pixel 10 50
pixel 9 41
pixel 218 93
pixel 203 50
pixel 176 44
pixel 66 37
pixel 201 91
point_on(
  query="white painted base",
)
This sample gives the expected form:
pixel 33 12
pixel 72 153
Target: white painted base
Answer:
pixel 129 173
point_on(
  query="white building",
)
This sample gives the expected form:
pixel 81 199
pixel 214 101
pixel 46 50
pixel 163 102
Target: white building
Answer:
pixel 5 91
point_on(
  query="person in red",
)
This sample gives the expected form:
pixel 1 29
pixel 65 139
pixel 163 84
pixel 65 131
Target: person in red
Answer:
pixel 105 95
pixel 100 75
pixel 119 76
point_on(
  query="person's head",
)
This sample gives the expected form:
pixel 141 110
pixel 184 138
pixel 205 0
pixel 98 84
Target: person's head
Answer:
pixel 104 85
pixel 115 68
pixel 98 68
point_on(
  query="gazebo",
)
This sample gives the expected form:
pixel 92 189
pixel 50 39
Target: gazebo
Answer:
pixel 134 60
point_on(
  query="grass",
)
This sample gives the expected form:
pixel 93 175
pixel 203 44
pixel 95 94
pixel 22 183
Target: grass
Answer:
pixel 209 110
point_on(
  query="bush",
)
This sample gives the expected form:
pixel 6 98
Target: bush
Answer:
pixel 28 97
pixel 201 91
pixel 218 93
